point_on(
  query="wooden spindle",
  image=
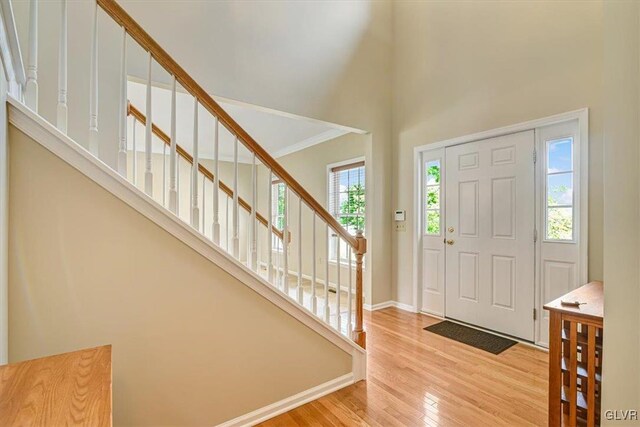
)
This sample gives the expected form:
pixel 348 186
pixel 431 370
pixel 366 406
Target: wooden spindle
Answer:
pixel 253 226
pixel 173 155
pixel 339 317
pixel 270 228
pixel 93 87
pixel 216 185
pixel 359 335
pixel 134 163
pixel 350 292
pixel 178 187
pixel 226 207
pixel 31 89
pixel 314 297
pixel 62 110
pixel 327 309
pixel 122 146
pixel 195 210
pixel 148 175
pixel 236 212
pixel 299 288
pixel 164 175
pixel 285 241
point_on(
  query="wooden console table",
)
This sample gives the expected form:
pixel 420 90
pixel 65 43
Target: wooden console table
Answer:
pixel 575 357
pixel 70 389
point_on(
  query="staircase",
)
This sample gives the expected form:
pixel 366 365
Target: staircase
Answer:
pixel 216 216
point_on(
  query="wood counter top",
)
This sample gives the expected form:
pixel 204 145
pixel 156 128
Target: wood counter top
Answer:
pixel 591 294
pixel 70 389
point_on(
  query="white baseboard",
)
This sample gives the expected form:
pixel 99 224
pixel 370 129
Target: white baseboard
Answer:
pixel 390 303
pixel 292 402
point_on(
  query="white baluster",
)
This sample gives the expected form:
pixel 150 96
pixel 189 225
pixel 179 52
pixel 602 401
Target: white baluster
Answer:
pixel 254 206
pixel 164 174
pixel 204 203
pixel 327 310
pixel 349 295
pixel 300 292
pixel 236 218
pixel 195 210
pixel 93 87
pixel 61 111
pixel 314 297
pixel 338 283
pixel 216 185
pixel 134 165
pixel 148 175
pixel 228 247
pixel 178 186
pixel 270 228
pixel 285 241
pixel 173 156
pixel 122 148
pixel 31 90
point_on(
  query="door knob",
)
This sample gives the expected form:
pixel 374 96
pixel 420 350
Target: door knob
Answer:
pixel 449 242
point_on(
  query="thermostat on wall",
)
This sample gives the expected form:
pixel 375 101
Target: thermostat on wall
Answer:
pixel 400 215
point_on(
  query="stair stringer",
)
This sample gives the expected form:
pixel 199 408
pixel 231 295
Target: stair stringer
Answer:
pixel 47 135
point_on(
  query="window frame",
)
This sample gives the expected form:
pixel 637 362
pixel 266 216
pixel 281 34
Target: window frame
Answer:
pixel 545 190
pixel 425 188
pixel 276 185
pixel 344 165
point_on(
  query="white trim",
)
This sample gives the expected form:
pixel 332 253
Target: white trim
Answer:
pixel 581 115
pixel 4 225
pixel 310 142
pixel 66 149
pixel 390 303
pixel 10 51
pixel 284 405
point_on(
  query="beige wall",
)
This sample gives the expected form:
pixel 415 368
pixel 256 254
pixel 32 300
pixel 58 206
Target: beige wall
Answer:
pixel 621 371
pixel 465 67
pixel 191 344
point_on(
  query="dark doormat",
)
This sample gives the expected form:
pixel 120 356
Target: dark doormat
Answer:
pixel 470 336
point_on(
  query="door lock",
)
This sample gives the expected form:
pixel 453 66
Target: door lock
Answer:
pixel 451 229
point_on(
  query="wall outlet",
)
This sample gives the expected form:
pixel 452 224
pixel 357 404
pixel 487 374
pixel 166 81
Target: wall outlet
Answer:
pixel 401 226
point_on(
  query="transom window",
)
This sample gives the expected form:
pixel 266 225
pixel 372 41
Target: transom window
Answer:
pixel 432 197
pixel 559 190
pixel 346 202
pixel 277 212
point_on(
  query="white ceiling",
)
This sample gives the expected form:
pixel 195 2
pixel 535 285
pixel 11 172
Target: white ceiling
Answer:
pixel 278 133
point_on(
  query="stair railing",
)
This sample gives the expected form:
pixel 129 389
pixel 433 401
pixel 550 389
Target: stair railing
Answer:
pixel 276 273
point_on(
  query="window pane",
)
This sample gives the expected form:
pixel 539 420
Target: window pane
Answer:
pixel 560 223
pixel 560 189
pixel 433 172
pixel 433 222
pixel 433 197
pixel 560 155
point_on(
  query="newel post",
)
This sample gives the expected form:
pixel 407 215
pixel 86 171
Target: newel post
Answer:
pixel 358 334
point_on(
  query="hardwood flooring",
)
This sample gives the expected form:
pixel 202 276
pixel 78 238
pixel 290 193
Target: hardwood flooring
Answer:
pixel 417 378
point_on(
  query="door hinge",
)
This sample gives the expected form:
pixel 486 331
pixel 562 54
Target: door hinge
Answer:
pixel 535 156
pixel 535 235
pixel 535 314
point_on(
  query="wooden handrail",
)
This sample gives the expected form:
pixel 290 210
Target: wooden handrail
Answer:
pixel 133 111
pixel 118 14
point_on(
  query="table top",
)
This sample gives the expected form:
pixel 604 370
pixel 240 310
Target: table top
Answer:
pixel 71 389
pixel 591 294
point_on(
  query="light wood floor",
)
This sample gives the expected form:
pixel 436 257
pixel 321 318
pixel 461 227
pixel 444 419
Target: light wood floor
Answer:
pixel 417 378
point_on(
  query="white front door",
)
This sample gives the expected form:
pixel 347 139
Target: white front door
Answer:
pixel 489 232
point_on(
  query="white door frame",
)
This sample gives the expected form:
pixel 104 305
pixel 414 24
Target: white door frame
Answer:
pixel 582 116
